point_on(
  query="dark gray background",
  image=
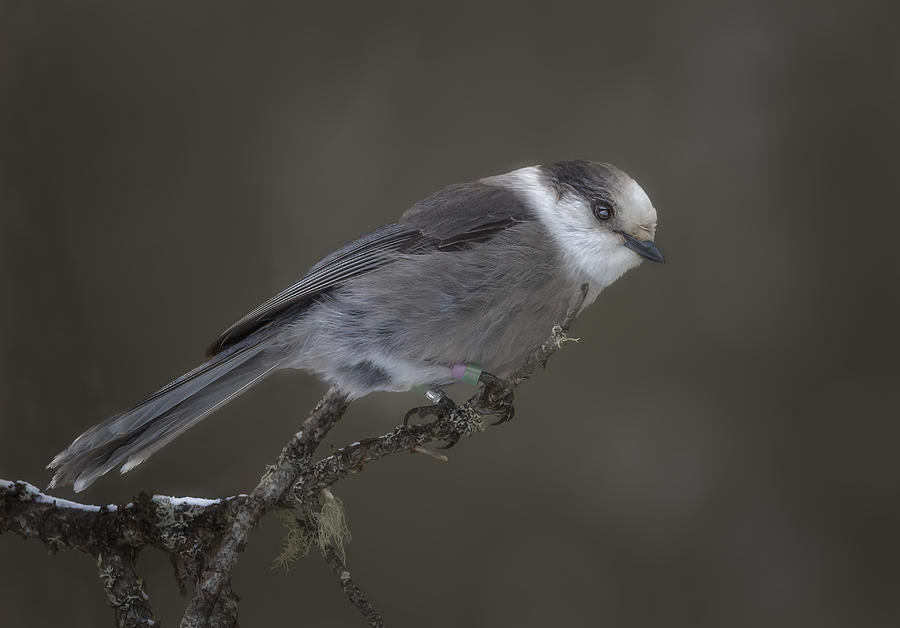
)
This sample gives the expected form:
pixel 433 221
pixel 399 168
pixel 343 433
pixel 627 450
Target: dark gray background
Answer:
pixel 719 450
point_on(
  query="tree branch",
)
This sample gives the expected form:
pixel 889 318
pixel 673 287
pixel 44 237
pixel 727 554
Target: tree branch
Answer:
pixel 353 592
pixel 124 589
pixel 295 457
pixel 185 528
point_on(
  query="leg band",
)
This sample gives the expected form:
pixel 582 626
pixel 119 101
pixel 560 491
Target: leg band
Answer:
pixel 466 373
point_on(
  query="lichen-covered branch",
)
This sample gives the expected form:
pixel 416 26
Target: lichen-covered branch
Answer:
pixel 204 538
pixel 295 457
pixel 124 588
pixel 184 528
pixel 352 591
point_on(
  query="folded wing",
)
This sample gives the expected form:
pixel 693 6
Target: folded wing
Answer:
pixel 458 215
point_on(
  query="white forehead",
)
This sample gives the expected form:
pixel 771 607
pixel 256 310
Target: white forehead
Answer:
pixel 635 204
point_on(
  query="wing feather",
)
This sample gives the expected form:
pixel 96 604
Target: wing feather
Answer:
pixel 363 255
pixel 455 216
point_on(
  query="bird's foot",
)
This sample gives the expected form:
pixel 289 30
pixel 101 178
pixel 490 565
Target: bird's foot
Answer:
pixel 496 398
pixel 464 421
pixel 458 422
pixel 442 407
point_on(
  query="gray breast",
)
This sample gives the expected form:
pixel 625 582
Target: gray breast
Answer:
pixel 488 304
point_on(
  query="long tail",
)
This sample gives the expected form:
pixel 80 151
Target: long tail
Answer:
pixel 133 436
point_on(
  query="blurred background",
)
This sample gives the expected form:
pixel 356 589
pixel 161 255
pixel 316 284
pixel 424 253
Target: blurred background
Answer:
pixel 718 450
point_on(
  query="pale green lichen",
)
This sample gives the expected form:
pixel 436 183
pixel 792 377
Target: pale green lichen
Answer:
pixel 171 529
pixel 332 525
pixel 165 513
pixel 173 516
pixel 297 542
pixel 326 528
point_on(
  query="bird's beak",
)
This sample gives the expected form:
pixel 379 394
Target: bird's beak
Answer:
pixel 644 248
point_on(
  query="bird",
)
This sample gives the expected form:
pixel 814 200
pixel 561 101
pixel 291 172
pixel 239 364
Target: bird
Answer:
pixel 469 279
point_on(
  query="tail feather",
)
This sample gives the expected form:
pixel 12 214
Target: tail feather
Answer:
pixel 131 437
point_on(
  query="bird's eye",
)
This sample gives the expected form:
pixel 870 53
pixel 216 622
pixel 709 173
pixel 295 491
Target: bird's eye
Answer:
pixel 602 210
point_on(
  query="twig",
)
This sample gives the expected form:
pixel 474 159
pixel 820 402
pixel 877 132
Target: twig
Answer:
pixel 295 457
pixel 420 449
pixel 124 589
pixel 351 589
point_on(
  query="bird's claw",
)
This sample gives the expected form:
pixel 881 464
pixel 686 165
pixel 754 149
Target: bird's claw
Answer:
pixel 440 410
pixel 451 440
pixel 497 397
pixel 504 413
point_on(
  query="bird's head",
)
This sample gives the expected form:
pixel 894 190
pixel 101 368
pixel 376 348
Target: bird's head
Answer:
pixel 599 218
pixel 599 199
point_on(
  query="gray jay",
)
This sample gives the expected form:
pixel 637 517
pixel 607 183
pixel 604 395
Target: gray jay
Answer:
pixel 472 277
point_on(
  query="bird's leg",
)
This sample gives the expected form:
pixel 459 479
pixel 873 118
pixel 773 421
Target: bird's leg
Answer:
pixel 441 406
pixel 496 397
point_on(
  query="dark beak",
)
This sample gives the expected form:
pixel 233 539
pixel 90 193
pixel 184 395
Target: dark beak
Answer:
pixel 644 248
